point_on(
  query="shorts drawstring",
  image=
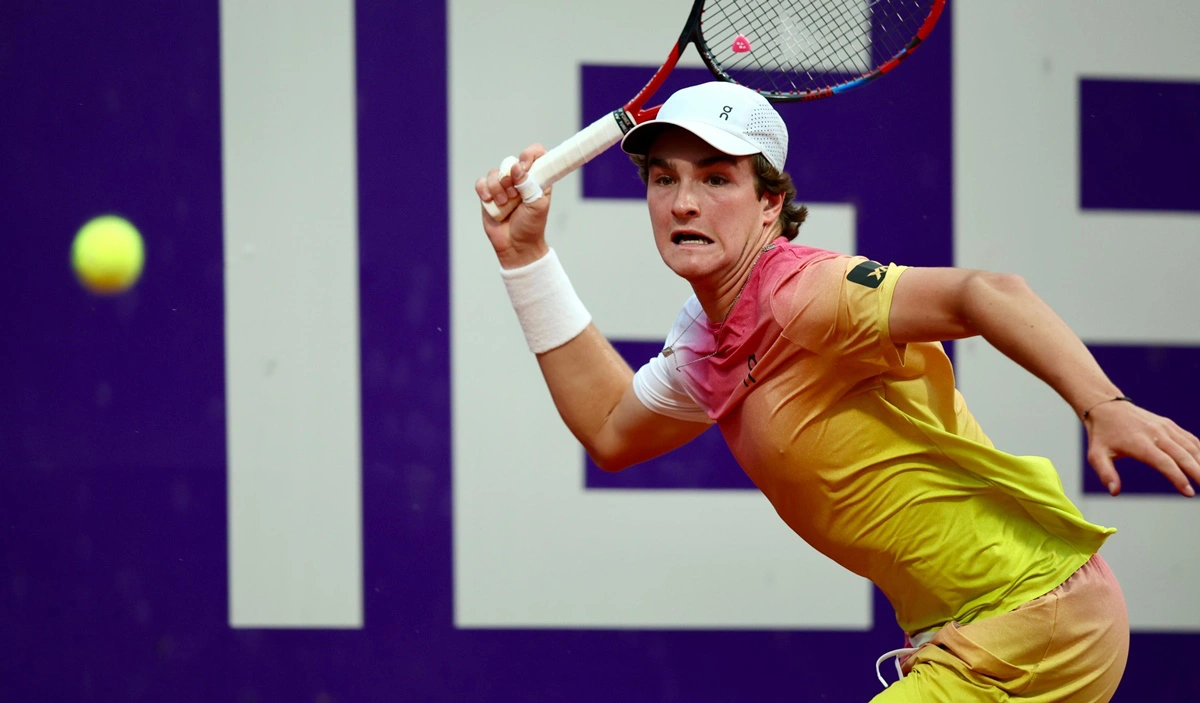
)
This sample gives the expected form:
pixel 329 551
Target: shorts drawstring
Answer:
pixel 914 643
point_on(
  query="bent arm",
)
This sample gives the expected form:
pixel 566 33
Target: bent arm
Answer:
pixel 938 304
pixel 591 384
pixel 592 388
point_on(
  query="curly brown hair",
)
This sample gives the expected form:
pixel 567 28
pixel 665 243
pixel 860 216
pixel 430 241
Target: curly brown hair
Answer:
pixel 767 179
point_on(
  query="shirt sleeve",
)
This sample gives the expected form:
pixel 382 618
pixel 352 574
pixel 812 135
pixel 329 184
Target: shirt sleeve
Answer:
pixel 660 390
pixel 840 308
pixel 660 386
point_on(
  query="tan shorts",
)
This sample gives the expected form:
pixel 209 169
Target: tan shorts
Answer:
pixel 1068 645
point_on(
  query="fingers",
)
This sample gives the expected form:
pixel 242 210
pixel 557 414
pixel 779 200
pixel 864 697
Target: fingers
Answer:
pixel 529 189
pixel 508 168
pixel 531 153
pixel 502 184
pixel 1175 452
pixel 515 169
pixel 1102 462
pixel 1124 430
pixel 1176 445
pixel 519 169
pixel 1186 439
pixel 495 188
pixel 1166 458
pixel 1155 449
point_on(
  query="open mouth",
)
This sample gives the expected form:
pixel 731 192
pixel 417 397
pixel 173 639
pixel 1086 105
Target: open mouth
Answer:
pixel 689 238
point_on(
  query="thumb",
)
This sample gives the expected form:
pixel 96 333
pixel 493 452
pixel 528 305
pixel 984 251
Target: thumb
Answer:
pixel 528 188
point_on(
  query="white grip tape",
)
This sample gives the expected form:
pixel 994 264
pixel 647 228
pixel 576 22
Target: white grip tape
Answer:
pixel 550 312
pixel 586 145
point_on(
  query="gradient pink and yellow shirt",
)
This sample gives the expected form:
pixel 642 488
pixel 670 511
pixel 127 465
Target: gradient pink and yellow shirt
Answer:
pixel 865 448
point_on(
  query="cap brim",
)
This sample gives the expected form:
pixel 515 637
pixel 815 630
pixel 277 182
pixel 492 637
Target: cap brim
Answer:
pixel 639 139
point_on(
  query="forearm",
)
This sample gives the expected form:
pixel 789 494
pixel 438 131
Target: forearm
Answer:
pixel 587 379
pixel 1013 319
pixel 585 375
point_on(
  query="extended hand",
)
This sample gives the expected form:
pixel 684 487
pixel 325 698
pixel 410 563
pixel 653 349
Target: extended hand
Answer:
pixel 1119 429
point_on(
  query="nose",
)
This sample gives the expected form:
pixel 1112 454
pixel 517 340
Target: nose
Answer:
pixel 685 205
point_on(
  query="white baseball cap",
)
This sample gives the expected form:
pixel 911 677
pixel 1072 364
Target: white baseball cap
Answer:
pixel 733 120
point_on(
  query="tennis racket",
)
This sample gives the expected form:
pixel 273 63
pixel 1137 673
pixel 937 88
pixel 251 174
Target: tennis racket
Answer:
pixel 786 50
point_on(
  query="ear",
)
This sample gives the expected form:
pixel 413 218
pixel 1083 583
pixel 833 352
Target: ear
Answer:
pixel 772 205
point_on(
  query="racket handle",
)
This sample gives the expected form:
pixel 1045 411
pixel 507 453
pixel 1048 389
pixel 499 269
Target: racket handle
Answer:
pixel 589 143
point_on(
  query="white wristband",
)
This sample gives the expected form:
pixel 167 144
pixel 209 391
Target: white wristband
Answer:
pixel 550 312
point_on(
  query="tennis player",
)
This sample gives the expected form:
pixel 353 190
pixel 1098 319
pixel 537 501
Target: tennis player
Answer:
pixel 827 378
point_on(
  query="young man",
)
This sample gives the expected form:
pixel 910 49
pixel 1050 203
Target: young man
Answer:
pixel 827 378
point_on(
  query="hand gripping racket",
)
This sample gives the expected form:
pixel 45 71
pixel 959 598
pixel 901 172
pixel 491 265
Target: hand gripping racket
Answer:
pixel 786 50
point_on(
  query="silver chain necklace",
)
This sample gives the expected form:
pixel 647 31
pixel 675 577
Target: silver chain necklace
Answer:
pixel 669 350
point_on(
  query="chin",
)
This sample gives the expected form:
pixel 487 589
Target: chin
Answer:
pixel 688 266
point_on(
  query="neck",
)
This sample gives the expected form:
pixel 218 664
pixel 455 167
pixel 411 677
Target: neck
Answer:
pixel 718 300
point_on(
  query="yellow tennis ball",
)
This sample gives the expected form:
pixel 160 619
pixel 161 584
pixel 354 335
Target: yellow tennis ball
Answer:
pixel 107 255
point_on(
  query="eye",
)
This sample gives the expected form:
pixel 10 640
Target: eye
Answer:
pixel 662 180
pixel 716 179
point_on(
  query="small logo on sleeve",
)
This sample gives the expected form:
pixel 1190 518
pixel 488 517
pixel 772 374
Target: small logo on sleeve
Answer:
pixel 868 273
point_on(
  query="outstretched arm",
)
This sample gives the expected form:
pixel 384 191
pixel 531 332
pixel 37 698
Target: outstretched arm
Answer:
pixel 591 384
pixel 935 304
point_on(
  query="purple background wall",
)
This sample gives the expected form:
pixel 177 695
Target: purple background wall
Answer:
pixel 113 570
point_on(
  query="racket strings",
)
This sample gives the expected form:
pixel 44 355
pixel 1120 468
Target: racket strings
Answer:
pixel 783 57
pixel 807 47
pixel 743 63
pixel 827 39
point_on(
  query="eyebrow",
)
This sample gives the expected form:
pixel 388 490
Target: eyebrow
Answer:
pixel 702 163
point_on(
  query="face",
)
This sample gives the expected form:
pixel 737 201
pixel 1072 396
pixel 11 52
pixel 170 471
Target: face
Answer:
pixel 709 224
